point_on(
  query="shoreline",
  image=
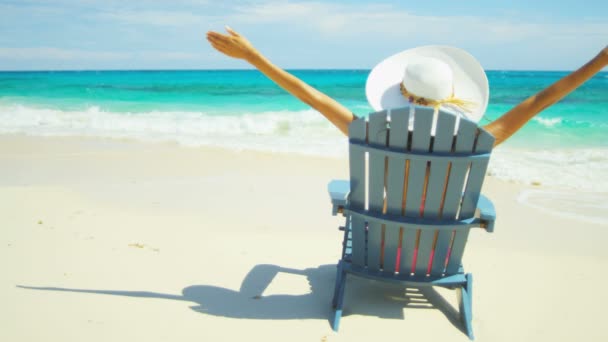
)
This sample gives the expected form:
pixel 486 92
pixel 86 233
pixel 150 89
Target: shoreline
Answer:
pixel 106 239
pixel 582 205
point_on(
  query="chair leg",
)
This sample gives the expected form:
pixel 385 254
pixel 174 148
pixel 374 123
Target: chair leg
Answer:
pixel 334 301
pixel 466 308
pixel 338 297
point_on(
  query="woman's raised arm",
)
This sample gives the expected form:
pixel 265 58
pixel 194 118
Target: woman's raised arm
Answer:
pixel 237 46
pixel 510 122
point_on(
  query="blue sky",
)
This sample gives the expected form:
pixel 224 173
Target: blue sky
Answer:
pixel 157 34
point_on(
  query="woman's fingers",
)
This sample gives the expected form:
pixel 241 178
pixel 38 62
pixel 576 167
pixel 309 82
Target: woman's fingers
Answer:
pixel 216 36
pixel 221 48
pixel 218 42
pixel 232 32
pixel 222 39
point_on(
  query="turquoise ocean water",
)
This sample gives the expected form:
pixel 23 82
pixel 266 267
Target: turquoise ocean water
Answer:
pixel 565 146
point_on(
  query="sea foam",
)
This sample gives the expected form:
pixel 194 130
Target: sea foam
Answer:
pixel 303 132
pixel 577 168
pixel 551 122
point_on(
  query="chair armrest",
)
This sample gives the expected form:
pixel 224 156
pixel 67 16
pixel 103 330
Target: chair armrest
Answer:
pixel 338 192
pixel 487 214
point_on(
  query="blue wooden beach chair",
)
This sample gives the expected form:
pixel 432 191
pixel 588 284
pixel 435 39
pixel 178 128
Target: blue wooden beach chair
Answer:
pixel 412 198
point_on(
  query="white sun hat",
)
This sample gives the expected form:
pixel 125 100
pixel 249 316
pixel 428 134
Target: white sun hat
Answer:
pixel 438 76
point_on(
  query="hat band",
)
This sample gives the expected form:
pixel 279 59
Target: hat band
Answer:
pixel 465 105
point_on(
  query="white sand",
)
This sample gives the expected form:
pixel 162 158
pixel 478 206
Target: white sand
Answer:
pixel 113 241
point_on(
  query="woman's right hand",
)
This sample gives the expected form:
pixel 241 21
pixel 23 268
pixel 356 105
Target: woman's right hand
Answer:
pixel 232 44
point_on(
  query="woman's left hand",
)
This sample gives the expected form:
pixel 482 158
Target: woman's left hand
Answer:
pixel 232 44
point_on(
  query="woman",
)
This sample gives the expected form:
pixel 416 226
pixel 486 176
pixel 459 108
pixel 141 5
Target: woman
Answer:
pixel 235 45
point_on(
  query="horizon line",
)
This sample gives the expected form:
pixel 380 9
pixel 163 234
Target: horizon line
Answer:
pixel 250 69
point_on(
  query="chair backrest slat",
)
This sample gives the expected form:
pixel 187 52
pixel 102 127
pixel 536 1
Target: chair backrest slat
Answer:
pixel 465 139
pixel 378 133
pixel 358 183
pixel 434 262
pixel 377 137
pixel 416 171
pixel 357 133
pixel 476 175
pixel 396 167
pixel 466 182
pixel 439 169
pixel 418 181
pixel 398 138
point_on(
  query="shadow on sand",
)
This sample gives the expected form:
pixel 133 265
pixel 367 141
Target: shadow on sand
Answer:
pixel 387 301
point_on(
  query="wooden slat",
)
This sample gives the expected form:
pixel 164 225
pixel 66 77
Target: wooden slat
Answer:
pixel 464 144
pixel 394 190
pixel 374 245
pixel 421 140
pixel 396 167
pixel 391 246
pixel 457 251
pixel 377 137
pixel 453 194
pixel 439 169
pixel 399 127
pixel 358 241
pixel 358 133
pixel 437 187
pixel 418 181
pixel 425 248
pixel 471 196
pixel 442 249
pixel 485 142
pixel 408 246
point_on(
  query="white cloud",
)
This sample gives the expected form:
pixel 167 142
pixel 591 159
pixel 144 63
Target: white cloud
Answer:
pixel 168 56
pixel 387 22
pixel 155 18
pixel 51 53
pixel 297 33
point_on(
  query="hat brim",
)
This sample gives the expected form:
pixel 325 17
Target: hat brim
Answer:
pixel 470 80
